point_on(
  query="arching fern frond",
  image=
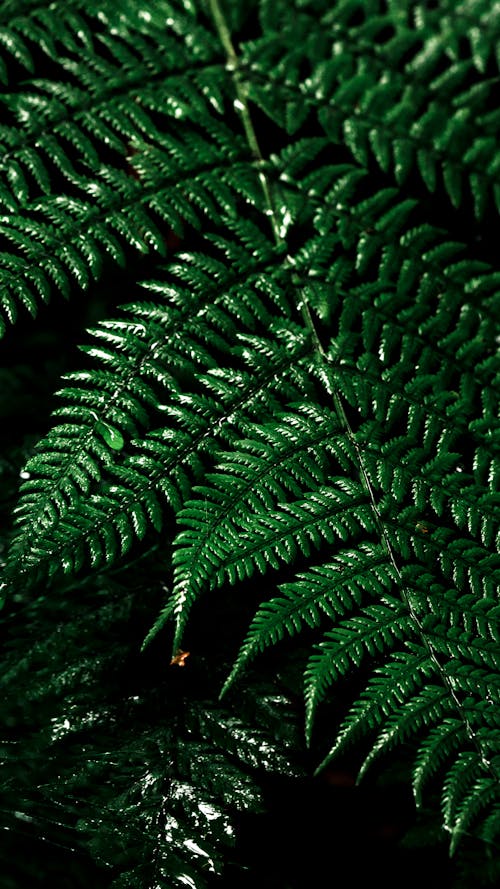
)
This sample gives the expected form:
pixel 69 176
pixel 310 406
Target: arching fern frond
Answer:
pixel 395 76
pixel 309 390
pixel 197 319
pixel 250 542
pixel 66 209
pixel 377 628
pixel 332 589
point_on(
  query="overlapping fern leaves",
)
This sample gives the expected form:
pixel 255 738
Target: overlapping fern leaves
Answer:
pixel 72 186
pixel 308 390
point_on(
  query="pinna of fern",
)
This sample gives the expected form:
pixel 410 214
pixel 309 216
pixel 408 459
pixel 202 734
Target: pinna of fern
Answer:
pixel 121 76
pixel 312 393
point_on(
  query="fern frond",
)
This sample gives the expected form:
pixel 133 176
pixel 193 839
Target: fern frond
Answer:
pixel 332 589
pixel 461 776
pixel 161 467
pixel 430 706
pixel 120 85
pixel 250 542
pixel 440 743
pixel 376 630
pixel 309 389
pixel 481 795
pixel 388 88
pixel 389 687
pixel 289 460
pixel 134 381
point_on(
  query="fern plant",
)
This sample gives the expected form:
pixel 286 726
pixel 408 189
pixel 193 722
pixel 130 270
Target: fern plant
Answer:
pixel 304 385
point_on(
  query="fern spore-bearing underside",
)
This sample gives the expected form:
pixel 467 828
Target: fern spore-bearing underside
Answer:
pixel 305 387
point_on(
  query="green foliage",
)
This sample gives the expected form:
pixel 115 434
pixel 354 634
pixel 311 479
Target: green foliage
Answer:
pixel 303 383
pixel 151 783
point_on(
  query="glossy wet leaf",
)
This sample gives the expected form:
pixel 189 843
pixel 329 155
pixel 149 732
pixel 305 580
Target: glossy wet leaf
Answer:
pixel 111 435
